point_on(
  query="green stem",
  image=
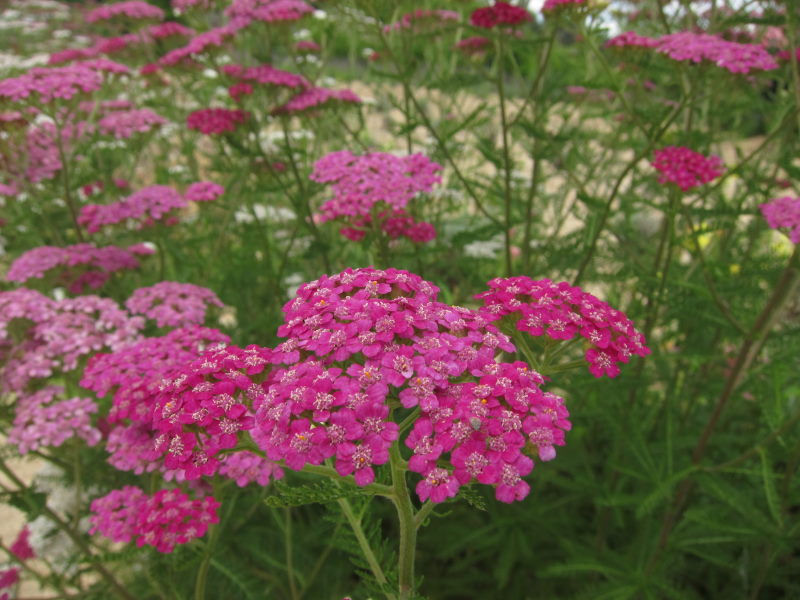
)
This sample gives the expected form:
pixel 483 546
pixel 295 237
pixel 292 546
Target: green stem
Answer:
pixel 423 513
pixel 751 345
pixel 506 154
pixel 363 543
pixel 287 542
pixel 408 528
pixel 119 590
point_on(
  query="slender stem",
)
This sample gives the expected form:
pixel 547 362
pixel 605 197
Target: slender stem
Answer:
pixel 747 354
pixel 615 190
pixel 66 180
pixel 761 444
pixel 423 513
pixel 407 523
pixel 506 154
pixel 320 561
pixel 287 542
pixel 118 588
pixel 363 543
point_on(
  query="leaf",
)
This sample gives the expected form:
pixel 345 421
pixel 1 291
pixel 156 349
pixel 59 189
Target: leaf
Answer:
pixel 322 492
pixel 768 479
pixel 662 491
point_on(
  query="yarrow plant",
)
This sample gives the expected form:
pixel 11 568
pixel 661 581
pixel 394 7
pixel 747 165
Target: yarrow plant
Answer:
pixel 686 168
pixel 784 213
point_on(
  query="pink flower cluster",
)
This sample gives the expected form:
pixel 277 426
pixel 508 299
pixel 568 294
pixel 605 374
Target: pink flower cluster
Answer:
pixel 686 168
pixel 167 30
pixel 52 335
pixel 475 44
pixel 43 85
pixel 203 191
pixel 147 206
pixel 500 13
pixel 132 9
pixel 552 5
pixel 631 39
pixel 732 56
pixel 422 21
pixel 784 213
pixel 698 47
pixel 243 12
pixel 394 224
pixel 307 46
pixel 361 183
pixel 316 98
pixel 197 45
pixel 42 421
pixel 125 123
pixel 84 265
pixel 163 520
pixel 210 396
pixel 134 374
pixel 562 312
pixel 214 121
pixel 400 342
pixel 247 467
pixel 354 340
pixel 172 304
pixel 266 75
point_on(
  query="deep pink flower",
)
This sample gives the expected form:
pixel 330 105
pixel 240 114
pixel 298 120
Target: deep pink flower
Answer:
pixel 552 5
pixel 784 213
pixel 475 44
pixel 132 9
pixel 562 312
pixel 124 124
pixel 686 168
pixel 80 266
pixel 213 121
pixel 163 520
pixel 424 21
pixel 316 98
pixel 42 421
pixel 500 13
pixel 172 304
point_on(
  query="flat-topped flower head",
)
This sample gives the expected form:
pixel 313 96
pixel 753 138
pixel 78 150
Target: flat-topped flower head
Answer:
pixel 361 182
pixel 124 124
pixel 214 121
pixel 80 266
pixel 212 395
pixel 173 304
pixel 784 213
pixel 44 419
pixel 266 75
pixel 242 13
pixel 156 203
pixel 731 56
pixel 554 5
pixel 57 334
pixel 163 520
pixel 203 191
pixel 199 44
pixel 562 312
pixel 474 45
pixel 424 21
pixel 316 98
pixel 499 14
pixel 686 168
pixel 132 9
pixel 631 39
pixel 44 85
